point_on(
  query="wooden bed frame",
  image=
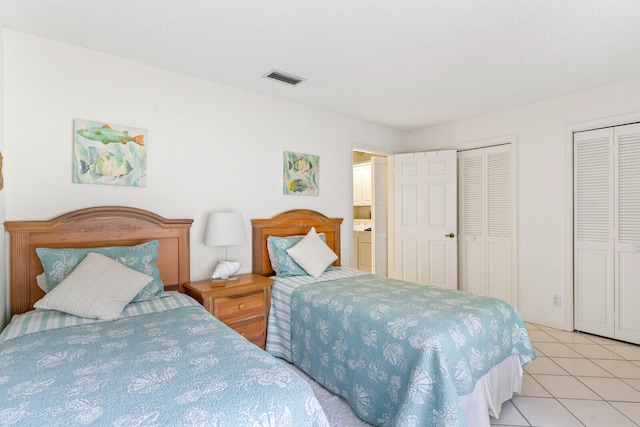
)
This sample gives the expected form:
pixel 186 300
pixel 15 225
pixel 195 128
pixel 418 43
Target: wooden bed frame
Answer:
pixel 291 223
pixel 94 227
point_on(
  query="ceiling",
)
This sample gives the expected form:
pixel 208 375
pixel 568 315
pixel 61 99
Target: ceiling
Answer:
pixel 406 64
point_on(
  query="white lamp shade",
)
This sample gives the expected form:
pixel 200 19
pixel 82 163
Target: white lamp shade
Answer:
pixel 225 229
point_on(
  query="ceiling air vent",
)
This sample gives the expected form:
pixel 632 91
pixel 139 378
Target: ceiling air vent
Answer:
pixel 283 77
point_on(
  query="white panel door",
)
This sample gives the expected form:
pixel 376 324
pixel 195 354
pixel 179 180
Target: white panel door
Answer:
pixel 425 249
pixel 594 293
pixel 627 226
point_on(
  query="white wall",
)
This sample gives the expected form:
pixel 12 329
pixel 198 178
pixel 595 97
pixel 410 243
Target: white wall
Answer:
pixel 214 147
pixel 210 146
pixel 541 177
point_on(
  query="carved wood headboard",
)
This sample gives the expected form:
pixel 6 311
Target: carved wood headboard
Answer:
pixel 94 227
pixel 291 223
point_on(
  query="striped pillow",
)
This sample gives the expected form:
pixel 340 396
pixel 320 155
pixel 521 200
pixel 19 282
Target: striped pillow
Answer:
pixel 98 288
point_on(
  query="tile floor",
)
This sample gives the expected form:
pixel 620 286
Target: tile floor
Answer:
pixel 577 379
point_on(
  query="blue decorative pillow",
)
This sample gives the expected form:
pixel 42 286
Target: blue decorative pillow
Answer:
pixel 281 261
pixel 59 263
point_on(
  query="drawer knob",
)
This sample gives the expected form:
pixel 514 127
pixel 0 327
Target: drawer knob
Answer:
pixel 241 307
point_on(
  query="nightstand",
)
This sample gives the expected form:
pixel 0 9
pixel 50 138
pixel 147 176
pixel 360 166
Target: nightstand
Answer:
pixel 242 304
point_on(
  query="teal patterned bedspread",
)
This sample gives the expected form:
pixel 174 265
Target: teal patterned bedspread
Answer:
pixel 399 352
pixel 176 367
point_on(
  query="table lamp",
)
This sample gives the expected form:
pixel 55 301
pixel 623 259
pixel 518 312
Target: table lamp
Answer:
pixel 225 229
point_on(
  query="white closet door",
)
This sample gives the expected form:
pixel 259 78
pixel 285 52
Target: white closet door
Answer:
pixel 485 198
pixel 471 221
pixel 594 296
pixel 627 242
pixel 499 222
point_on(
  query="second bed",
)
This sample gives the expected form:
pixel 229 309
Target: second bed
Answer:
pixel 400 353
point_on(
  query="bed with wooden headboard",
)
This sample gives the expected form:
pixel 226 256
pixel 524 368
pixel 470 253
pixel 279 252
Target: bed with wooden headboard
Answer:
pixel 89 228
pixel 291 223
pixel 353 331
pixel 163 360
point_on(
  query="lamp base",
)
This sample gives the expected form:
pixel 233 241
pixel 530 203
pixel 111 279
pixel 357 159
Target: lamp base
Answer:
pixel 225 269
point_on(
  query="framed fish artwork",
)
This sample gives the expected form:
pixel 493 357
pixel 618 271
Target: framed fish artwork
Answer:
pixel 301 174
pixel 105 153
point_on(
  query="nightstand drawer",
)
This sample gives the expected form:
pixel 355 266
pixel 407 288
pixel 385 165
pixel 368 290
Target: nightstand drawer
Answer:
pixel 252 330
pixel 242 306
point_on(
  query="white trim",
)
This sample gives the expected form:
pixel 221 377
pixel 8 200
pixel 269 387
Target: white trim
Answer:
pixel 567 153
pixel 514 216
pixel 506 139
pixel 391 216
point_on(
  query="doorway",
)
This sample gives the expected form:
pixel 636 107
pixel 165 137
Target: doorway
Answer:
pixel 364 155
pixel 498 251
pixel 370 212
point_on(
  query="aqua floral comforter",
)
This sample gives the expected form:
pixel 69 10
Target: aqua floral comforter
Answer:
pixel 166 363
pixel 401 353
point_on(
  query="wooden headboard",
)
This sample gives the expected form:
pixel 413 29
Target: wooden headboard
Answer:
pixel 94 227
pixel 291 223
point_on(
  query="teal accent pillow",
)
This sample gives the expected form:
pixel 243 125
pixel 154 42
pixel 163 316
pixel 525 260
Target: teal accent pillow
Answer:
pixel 281 261
pixel 59 263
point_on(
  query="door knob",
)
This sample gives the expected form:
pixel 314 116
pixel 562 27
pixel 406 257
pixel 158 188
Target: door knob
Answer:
pixel 451 235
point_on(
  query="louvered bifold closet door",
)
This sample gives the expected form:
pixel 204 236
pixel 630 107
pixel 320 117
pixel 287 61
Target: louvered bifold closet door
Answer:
pixel 471 221
pixel 498 222
pixel 627 227
pixel 484 227
pixel 593 232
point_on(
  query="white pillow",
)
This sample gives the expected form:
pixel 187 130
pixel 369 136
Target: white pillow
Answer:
pixel 98 288
pixel 312 254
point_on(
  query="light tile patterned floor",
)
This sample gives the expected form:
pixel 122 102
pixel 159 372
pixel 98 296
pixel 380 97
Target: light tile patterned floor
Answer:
pixel 577 380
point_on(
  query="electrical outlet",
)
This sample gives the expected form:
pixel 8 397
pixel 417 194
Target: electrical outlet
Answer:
pixel 557 302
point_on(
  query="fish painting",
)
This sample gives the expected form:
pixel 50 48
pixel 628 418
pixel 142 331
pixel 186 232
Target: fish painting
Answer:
pixel 298 185
pixel 107 135
pixel 300 165
pixel 109 154
pixel 301 173
pixel 104 164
